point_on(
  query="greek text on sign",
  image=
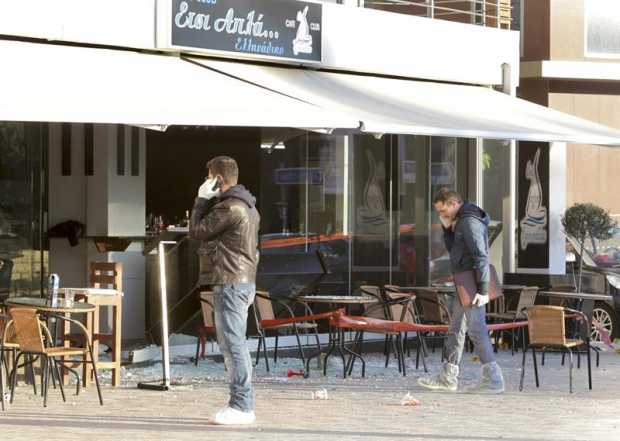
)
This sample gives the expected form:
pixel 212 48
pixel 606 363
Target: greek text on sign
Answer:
pixel 285 29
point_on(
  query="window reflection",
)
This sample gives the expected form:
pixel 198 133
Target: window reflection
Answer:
pixel 21 260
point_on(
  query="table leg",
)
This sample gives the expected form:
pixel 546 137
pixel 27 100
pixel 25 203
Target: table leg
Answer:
pixel 116 352
pixel 92 326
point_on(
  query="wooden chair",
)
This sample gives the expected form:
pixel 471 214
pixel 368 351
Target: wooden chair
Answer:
pixel 106 275
pixel 208 324
pixel 28 332
pixel 266 321
pixel 547 330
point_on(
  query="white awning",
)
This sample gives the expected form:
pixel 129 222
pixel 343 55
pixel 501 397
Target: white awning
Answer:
pixel 397 106
pixel 43 82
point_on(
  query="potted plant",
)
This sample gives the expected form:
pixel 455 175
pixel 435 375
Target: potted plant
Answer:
pixel 587 221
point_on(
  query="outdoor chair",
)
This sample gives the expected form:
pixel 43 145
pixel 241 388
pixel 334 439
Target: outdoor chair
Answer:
pixel 267 322
pixel 8 355
pixel 207 328
pixel 527 298
pixel 547 330
pixel 395 306
pixel 104 275
pixel 413 316
pixel 29 332
pixel 431 311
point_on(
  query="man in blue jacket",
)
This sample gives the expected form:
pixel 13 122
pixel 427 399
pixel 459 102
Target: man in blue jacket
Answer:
pixel 465 228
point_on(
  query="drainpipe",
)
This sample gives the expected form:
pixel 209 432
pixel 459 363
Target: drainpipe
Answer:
pixel 509 206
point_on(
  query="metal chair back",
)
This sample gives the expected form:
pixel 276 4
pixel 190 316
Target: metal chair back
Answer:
pixel 527 298
pixel 263 307
pixel 546 325
pixel 27 330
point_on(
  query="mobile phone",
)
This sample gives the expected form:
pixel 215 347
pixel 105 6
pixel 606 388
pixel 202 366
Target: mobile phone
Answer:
pixel 218 183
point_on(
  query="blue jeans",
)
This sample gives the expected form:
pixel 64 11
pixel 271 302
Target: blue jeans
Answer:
pixel 471 320
pixel 231 304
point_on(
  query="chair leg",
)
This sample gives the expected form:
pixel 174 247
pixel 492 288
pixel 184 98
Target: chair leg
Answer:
pixel 522 370
pixel 14 376
pixel 197 351
pixel 421 345
pixel 578 359
pixel 402 355
pixel 543 357
pixel 535 367
pixel 46 376
pixel 318 346
pixel 388 350
pixel 54 365
pixel 29 367
pixel 1 378
pixel 275 350
pixel 260 342
pixel 96 375
pixel 570 369
pixel 563 355
pixel 301 349
pixel 265 356
pixel 589 367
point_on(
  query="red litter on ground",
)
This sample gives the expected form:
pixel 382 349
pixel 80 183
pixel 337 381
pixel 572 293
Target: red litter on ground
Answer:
pixel 291 373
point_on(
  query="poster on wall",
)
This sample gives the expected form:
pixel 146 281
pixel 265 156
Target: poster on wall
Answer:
pixel 282 29
pixel 533 209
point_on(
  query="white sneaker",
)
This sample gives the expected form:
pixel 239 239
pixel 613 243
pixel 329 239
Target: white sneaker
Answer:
pixel 229 416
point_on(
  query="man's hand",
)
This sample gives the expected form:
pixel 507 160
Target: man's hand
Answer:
pixel 480 299
pixel 207 189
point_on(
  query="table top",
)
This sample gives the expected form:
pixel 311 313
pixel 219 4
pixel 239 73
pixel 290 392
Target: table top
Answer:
pixel 577 295
pixel 93 291
pixel 41 305
pixel 449 289
pixel 341 300
pixel 446 289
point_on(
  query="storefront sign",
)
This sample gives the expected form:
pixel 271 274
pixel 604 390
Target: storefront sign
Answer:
pixel 283 29
pixel 533 214
pixel 299 176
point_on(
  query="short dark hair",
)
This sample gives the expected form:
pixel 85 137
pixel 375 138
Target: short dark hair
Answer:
pixel 445 195
pixel 226 167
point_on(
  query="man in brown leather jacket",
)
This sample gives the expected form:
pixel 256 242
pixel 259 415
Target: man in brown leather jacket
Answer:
pixel 225 219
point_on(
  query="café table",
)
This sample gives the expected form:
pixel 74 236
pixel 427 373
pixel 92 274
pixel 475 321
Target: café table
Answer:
pixel 335 337
pixel 585 301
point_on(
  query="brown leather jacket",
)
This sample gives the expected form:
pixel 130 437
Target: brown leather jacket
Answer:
pixel 229 235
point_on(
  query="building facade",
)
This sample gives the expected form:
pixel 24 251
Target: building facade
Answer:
pixel 343 136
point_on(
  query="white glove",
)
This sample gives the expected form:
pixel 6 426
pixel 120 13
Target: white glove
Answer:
pixel 207 190
pixel 480 300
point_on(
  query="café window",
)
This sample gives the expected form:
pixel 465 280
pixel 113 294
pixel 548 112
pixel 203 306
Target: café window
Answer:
pixel 602 28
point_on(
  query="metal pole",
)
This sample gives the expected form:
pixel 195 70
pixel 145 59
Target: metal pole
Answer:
pixel 165 349
pixel 164 314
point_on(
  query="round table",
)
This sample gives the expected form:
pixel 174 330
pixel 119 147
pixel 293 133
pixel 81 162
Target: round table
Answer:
pixel 41 305
pixel 338 300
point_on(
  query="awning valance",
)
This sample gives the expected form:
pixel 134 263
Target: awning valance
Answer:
pixel 55 83
pixel 386 105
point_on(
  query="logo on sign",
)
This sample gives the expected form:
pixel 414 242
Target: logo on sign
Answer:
pixel 534 223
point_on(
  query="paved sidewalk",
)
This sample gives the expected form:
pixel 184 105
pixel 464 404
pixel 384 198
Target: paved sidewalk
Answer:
pixel 357 409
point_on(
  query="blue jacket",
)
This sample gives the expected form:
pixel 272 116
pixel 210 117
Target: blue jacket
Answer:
pixel 468 244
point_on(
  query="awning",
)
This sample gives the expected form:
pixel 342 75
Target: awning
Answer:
pixel 386 105
pixel 44 82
